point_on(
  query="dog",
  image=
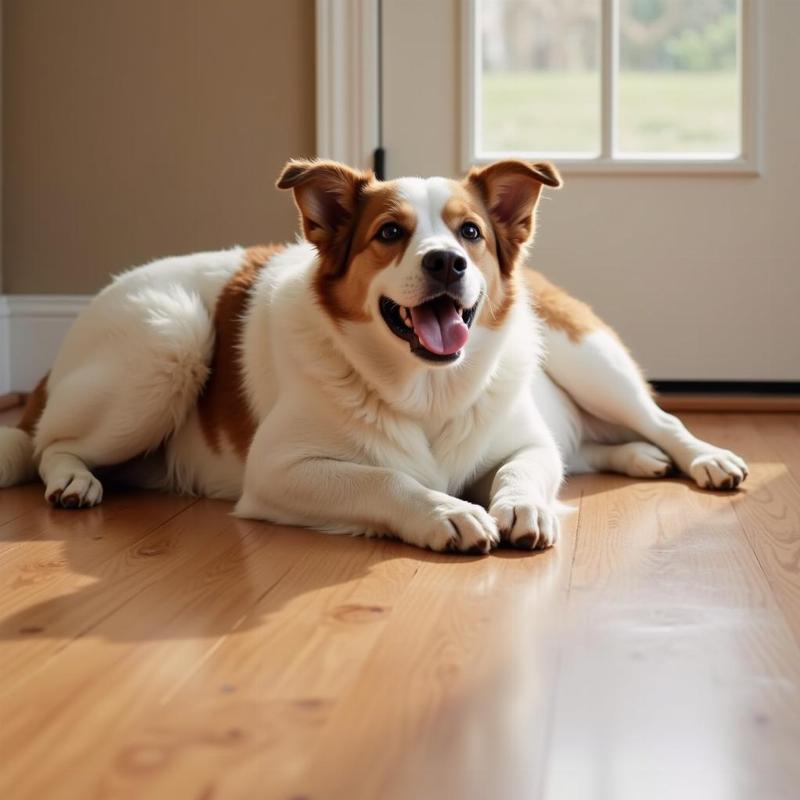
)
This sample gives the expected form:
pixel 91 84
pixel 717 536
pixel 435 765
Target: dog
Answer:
pixel 397 371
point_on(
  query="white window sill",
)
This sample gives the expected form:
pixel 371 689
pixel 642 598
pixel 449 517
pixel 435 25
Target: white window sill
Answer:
pixel 569 165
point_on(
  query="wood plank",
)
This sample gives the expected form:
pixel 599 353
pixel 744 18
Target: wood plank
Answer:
pixel 70 570
pixel 136 577
pixel 200 585
pixel 190 742
pixel 39 532
pixel 679 676
pixel 781 432
pixel 276 683
pixel 475 642
pixel 14 503
pixel 653 654
pixel 769 504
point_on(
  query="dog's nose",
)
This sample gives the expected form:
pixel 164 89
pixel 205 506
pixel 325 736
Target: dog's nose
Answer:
pixel 445 265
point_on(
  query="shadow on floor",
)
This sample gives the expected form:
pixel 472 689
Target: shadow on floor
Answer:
pixel 146 566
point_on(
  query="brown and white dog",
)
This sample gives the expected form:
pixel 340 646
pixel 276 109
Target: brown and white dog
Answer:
pixel 365 380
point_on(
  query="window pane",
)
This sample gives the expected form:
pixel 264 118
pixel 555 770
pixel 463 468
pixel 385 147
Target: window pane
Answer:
pixel 539 88
pixel 678 78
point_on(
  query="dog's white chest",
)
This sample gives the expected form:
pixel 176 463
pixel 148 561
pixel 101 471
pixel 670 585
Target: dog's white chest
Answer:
pixel 441 456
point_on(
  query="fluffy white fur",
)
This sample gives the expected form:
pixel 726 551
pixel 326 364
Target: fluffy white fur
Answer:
pixel 355 433
pixel 389 454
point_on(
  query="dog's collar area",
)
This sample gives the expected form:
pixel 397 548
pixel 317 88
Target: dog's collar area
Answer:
pixel 400 321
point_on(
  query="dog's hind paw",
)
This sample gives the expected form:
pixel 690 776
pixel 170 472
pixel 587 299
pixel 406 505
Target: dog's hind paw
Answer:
pixel 718 469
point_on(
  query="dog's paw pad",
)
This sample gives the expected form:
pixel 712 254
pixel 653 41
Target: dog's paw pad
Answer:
pixel 526 542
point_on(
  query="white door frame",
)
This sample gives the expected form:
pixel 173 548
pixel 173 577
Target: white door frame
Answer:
pixel 348 98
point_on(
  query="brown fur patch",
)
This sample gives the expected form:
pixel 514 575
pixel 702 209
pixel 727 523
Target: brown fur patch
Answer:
pixel 329 197
pixel 342 289
pixel 467 205
pixel 34 407
pixel 559 310
pixel 222 406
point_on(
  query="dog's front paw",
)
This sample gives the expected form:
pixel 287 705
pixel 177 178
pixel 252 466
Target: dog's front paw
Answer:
pixel 457 525
pixel 74 490
pixel 718 469
pixel 526 525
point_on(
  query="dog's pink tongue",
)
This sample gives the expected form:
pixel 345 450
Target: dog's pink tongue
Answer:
pixel 440 327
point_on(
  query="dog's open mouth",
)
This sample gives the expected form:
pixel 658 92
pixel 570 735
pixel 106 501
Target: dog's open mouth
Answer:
pixel 436 330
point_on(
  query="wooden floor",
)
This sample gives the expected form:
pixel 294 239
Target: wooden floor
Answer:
pixel 158 648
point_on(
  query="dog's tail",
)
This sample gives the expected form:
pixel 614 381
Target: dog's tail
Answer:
pixel 16 457
pixel 17 462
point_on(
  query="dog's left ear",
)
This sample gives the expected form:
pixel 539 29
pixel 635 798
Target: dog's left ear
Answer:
pixel 510 190
pixel 326 194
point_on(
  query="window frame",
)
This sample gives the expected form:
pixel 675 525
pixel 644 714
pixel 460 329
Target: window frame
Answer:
pixel 750 72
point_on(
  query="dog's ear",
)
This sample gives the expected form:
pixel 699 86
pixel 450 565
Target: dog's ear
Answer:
pixel 510 190
pixel 327 195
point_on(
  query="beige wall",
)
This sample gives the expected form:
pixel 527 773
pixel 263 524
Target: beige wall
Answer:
pixel 139 128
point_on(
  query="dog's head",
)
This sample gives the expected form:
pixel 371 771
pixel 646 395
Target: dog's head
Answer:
pixel 421 260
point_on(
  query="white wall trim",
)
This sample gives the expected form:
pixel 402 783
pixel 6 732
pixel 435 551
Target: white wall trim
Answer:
pixel 347 80
pixel 32 327
pixel 1 163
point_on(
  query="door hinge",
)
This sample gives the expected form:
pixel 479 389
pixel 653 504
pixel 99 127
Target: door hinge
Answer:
pixel 379 163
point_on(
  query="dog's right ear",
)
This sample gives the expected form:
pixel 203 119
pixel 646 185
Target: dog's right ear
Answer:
pixel 326 193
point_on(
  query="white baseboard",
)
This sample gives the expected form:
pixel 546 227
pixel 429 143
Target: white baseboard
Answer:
pixel 32 327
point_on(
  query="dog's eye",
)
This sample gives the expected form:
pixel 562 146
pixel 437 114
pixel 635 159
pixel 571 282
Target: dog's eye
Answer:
pixel 469 230
pixel 390 232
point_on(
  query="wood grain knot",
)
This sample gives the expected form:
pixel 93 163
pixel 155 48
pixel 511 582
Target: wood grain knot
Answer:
pixel 310 704
pixel 352 612
pixel 31 629
pixel 150 550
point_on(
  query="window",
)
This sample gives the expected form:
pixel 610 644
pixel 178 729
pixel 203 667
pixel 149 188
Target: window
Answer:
pixel 611 83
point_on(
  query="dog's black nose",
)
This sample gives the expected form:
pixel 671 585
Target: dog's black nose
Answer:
pixel 445 265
